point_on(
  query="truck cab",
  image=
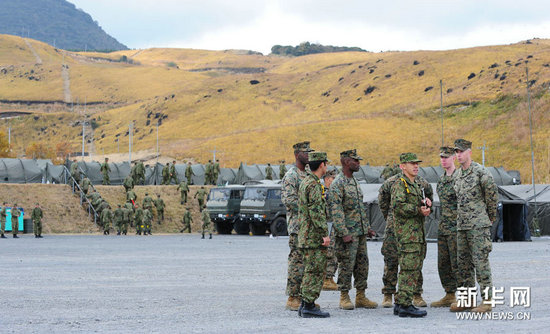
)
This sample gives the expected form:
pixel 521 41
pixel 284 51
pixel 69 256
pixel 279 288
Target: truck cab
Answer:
pixel 224 204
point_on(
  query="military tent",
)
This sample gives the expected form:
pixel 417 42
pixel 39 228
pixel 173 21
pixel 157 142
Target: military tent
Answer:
pixel 20 171
pixel 119 171
pixel 525 192
pixel 512 223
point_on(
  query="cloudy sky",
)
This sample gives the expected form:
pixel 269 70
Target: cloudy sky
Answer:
pixel 372 25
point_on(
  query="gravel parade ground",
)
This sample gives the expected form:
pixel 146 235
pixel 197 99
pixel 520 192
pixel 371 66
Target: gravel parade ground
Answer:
pixel 230 284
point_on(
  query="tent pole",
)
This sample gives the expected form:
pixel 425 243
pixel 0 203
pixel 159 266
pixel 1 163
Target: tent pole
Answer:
pixel 535 225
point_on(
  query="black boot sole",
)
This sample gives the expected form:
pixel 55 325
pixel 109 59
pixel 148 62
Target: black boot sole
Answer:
pixel 408 315
pixel 309 315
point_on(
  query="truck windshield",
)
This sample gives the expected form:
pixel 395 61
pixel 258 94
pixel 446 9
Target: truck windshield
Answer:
pixel 219 194
pixel 256 194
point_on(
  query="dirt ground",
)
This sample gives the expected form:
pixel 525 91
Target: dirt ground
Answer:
pixel 230 284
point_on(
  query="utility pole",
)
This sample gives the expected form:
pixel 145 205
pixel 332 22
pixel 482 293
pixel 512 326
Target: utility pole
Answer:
pixel 9 136
pixel 117 144
pixel 130 142
pixel 536 218
pixel 441 92
pixel 83 126
pixel 214 153
pixel 157 141
pixel 483 149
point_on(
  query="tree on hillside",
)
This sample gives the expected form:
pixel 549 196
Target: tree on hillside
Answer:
pixel 5 150
pixel 306 48
pixel 39 151
pixel 62 151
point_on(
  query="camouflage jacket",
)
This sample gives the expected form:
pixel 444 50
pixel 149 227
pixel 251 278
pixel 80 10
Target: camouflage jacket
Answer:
pixel 269 172
pixel 147 216
pixel 187 217
pixel 15 212
pixel 201 194
pixel 129 182
pixel 106 215
pixel 147 202
pixel 165 172
pixel 406 200
pixel 289 196
pixel 183 187
pixel 36 214
pixel 189 172
pixel 85 183
pixel 118 215
pixel 208 169
pixel 105 168
pixel 282 171
pixel 477 196
pixel 384 199
pixel 138 216
pixel 347 210
pixel 159 204
pixel 447 198
pixel 217 168
pixel 3 213
pixel 173 171
pixel 205 217
pixel 140 169
pixel 126 213
pixel 74 169
pixel 312 216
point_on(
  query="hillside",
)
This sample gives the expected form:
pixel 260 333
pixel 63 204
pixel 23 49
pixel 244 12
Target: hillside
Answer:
pixel 252 108
pixel 55 21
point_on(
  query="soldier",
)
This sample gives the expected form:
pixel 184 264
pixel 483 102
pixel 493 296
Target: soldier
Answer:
pixel 147 202
pixel 269 172
pixel 138 219
pixel 187 220
pixel 282 169
pixel 200 196
pixel 85 185
pixel 189 173
pixel 351 227
pixel 173 173
pixel 117 219
pixel 390 171
pixel 159 205
pixel 128 183
pixel 146 221
pixel 166 174
pixel 36 217
pixel 75 171
pixel 332 262
pixel 409 208
pixel 446 233
pixel 206 223
pixel 126 217
pixel 130 207
pixel 105 169
pixel 289 196
pixel 184 189
pixel 131 197
pixel 15 213
pixel 140 173
pixel 133 173
pixel 216 174
pixel 95 198
pixel 313 235
pixel 106 218
pixel 208 172
pixel 477 197
pixel 3 217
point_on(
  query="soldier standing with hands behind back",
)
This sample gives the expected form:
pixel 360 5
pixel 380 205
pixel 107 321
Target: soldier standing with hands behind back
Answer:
pixel 36 217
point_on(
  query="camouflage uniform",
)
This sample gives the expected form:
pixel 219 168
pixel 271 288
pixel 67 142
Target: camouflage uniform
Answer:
pixel 159 205
pixel 173 174
pixel 130 207
pixel 131 197
pixel 146 220
pixel 312 221
pixel 477 196
pixel 200 195
pixel 75 172
pixel 208 173
pixel 187 220
pixel 446 235
pixel 216 172
pixel 147 203
pixel 184 189
pixel 3 216
pixel 36 217
pixel 117 219
pixel 15 213
pixel 106 217
pixel 189 173
pixel 126 217
pixel 332 261
pixel 140 173
pixel 85 185
pixel 166 174
pixel 206 222
pixel 128 183
pixel 105 169
pixel 138 220
pixel 282 170
pixel 406 200
pixel 269 172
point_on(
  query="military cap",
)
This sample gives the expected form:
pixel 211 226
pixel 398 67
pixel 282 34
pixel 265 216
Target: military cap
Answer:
pixel 408 157
pixel 462 144
pixel 446 151
pixel 303 147
pixel 350 154
pixel 331 173
pixel 317 156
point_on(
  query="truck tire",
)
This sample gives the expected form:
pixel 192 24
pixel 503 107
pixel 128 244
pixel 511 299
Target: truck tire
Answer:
pixel 278 227
pixel 241 227
pixel 257 230
pixel 224 227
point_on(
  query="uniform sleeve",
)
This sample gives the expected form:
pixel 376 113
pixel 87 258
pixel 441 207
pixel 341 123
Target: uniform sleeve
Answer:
pixel 316 208
pixel 384 198
pixel 289 196
pixel 490 191
pixel 399 203
pixel 429 192
pixel 337 210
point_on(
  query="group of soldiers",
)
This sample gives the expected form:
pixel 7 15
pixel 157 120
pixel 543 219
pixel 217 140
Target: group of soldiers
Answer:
pixel 212 172
pixel 269 172
pixel 36 216
pixel 328 229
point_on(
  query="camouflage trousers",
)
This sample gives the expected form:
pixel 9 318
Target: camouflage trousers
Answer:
pixel 123 227
pixel 2 226
pixel 173 178
pixel 186 226
pixel 447 264
pixel 106 180
pixel 315 261
pixel 411 258
pixel 295 267
pixel 391 263
pixel 352 261
pixel 160 215
pixel 184 196
pixel 332 262
pixel 473 248
pixel 106 226
pixel 37 227
pixel 207 227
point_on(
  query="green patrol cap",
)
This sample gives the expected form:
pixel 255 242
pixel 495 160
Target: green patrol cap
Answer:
pixel 462 144
pixel 408 157
pixel 350 154
pixel 446 151
pixel 317 156
pixel 303 147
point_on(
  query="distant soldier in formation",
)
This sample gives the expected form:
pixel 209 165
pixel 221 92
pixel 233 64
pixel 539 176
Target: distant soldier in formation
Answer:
pixel 351 227
pixel 85 185
pixel 131 197
pixel 184 189
pixel 216 173
pixel 140 173
pixel 159 205
pixel 147 202
pixel 3 217
pixel 15 213
pixel 95 199
pixel 446 232
pixel 138 219
pixel 105 169
pixel 36 217
pixel 166 174
pixel 208 170
pixel 117 219
pixel 332 262
pixel 282 170
pixel 187 220
pixel 130 208
pixel 477 196
pixel 103 205
pixel 200 195
pixel 128 183
pixel 106 219
pixel 126 217
pixel 173 173
pixel 75 172
pixel 206 223
pixel 189 173
pixel 147 220
pixel 269 172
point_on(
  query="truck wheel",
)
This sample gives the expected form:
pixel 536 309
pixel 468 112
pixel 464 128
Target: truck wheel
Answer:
pixel 257 230
pixel 223 228
pixel 278 227
pixel 241 227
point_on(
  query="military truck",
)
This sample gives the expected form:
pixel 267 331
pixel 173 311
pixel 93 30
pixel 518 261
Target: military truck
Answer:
pixel 224 204
pixel 262 208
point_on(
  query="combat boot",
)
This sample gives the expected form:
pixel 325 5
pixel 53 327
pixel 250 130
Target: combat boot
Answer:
pixel 361 301
pixel 202 236
pixel 445 301
pixel 118 233
pixel 411 312
pixel 345 302
pixel 310 311
pixel 396 309
pixel 329 285
pixel 484 307
pixel 387 302
pixel 3 236
pixel 455 308
pixel 15 236
pixel 210 236
pixel 293 303
pixel 418 301
pixel 301 308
